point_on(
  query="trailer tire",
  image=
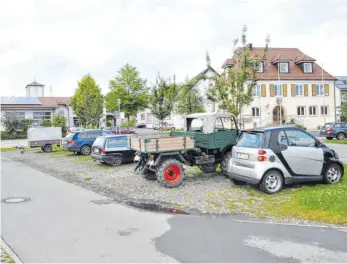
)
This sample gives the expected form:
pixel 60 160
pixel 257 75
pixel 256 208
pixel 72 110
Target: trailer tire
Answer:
pixel 208 168
pixel 47 148
pixel 225 160
pixel 170 173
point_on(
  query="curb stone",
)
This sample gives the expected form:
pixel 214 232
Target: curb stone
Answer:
pixel 10 252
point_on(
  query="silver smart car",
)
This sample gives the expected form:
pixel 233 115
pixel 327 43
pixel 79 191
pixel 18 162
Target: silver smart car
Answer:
pixel 273 157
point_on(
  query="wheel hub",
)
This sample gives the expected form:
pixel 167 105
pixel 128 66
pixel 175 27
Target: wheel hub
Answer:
pixel 172 173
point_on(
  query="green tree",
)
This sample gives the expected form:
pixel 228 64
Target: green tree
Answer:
pixel 130 88
pixel 12 122
pixel 60 121
pixel 87 102
pixel 233 90
pixel 189 99
pixel 46 123
pixel 343 109
pixel 162 98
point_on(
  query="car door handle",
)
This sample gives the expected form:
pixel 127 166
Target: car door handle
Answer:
pixel 283 147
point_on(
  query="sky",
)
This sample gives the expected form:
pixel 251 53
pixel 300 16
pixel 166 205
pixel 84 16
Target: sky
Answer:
pixel 58 41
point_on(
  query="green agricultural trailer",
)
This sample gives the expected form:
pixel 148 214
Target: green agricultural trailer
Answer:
pixel 206 142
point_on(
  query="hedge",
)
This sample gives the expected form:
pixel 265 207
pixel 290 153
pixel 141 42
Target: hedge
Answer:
pixel 5 135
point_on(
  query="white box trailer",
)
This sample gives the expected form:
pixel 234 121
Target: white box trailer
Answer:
pixel 44 137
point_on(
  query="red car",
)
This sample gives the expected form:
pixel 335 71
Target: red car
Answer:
pixel 123 130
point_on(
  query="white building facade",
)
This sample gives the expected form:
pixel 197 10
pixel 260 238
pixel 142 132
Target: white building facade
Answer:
pixel 290 87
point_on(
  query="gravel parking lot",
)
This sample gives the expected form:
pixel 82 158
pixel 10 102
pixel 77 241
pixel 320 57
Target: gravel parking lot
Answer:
pixel 199 193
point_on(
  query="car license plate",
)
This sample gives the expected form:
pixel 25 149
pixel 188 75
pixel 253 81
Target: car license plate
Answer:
pixel 242 156
pixel 96 150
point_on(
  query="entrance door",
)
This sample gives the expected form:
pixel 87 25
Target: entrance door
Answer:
pixel 276 114
pixel 301 153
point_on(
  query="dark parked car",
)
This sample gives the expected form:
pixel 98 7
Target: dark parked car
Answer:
pixel 82 141
pixel 334 130
pixel 112 150
pixel 123 130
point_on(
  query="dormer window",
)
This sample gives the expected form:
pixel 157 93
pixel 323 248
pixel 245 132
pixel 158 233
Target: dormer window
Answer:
pixel 260 67
pixel 283 67
pixel 307 67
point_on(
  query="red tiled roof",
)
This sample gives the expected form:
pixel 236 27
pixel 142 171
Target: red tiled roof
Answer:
pixel 293 55
pixel 46 102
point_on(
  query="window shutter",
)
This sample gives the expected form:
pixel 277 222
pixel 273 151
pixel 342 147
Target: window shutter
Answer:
pixel 293 90
pixel 272 90
pixel 326 89
pixel 263 90
pixel 306 89
pixel 314 91
pixel 284 90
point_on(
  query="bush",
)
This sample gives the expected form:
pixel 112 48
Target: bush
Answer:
pixel 6 136
pixel 108 123
pixel 131 123
pixel 46 123
pixel 14 124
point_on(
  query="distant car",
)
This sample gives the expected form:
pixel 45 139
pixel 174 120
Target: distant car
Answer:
pixel 273 157
pixel 165 126
pixel 123 130
pixel 112 150
pixel 334 130
pixel 81 142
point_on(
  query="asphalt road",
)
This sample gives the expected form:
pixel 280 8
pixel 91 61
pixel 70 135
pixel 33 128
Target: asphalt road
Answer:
pixel 65 223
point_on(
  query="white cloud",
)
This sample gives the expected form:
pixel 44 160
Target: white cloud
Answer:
pixel 59 41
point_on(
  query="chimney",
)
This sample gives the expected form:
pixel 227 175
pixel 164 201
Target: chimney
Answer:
pixel 249 45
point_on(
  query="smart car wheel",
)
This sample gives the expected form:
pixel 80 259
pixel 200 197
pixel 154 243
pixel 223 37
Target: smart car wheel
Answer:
pixel 340 136
pixel 272 182
pixel 332 174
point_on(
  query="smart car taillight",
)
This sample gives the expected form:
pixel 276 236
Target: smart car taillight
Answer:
pixel 330 130
pixel 102 151
pixel 261 152
pixel 262 158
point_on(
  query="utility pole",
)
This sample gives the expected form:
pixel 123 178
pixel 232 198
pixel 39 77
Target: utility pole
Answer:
pixel 120 122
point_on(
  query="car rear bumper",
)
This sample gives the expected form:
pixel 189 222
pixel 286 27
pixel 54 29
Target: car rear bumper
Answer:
pixel 328 134
pixel 71 148
pixel 246 174
pixel 98 157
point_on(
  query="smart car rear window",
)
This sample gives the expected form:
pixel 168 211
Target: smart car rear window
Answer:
pixel 250 140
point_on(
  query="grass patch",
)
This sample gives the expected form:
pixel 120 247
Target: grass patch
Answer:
pixel 320 202
pixel 5 257
pixel 81 159
pixel 335 141
pixel 87 179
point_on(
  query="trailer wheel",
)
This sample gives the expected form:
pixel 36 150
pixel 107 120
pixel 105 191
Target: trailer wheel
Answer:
pixel 47 148
pixel 225 160
pixel 208 168
pixel 170 173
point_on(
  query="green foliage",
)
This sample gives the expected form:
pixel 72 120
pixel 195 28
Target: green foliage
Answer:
pixel 108 123
pixel 344 111
pixel 6 136
pixel 233 90
pixel 14 124
pixel 131 123
pixel 46 123
pixel 189 100
pixel 162 98
pixel 60 121
pixel 130 88
pixel 87 102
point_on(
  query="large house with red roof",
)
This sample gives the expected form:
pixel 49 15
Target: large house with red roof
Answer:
pixel 290 86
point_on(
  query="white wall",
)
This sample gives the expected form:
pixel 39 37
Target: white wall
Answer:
pixel 290 104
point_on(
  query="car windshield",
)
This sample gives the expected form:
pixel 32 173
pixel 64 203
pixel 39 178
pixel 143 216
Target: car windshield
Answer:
pixel 99 141
pixel 250 140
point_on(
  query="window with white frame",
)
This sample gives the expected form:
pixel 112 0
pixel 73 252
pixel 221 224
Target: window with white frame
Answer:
pixel 343 96
pixel 278 90
pixel 313 110
pixel 299 90
pixel 143 117
pixel 259 67
pixel 39 116
pixel 255 111
pixel 307 67
pixel 324 110
pixel 256 90
pixel 319 89
pixel 301 110
pixel 284 67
